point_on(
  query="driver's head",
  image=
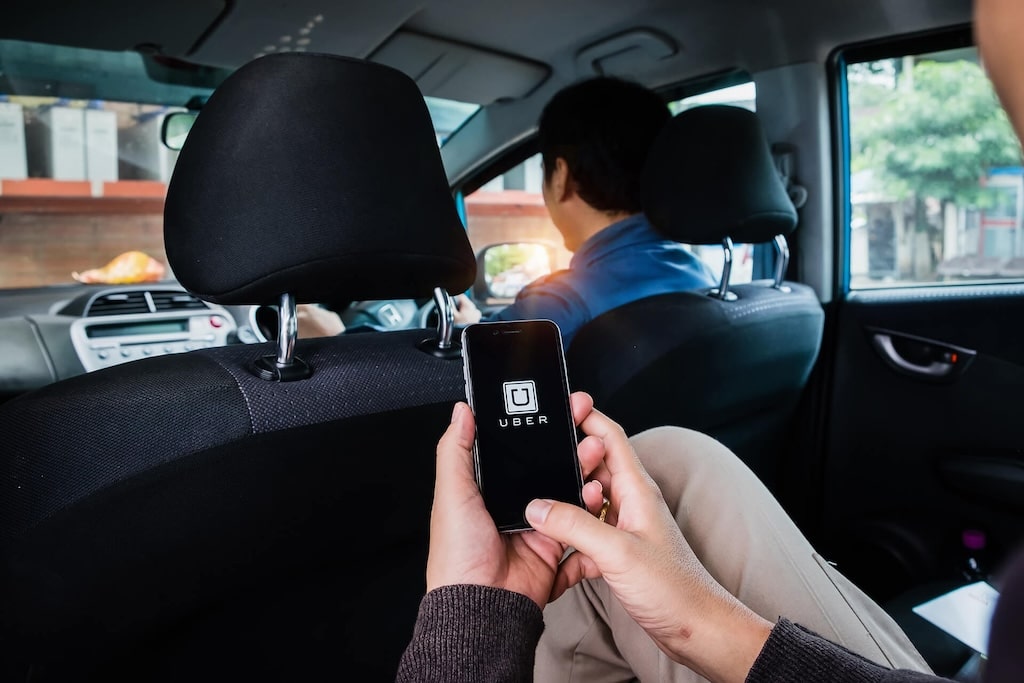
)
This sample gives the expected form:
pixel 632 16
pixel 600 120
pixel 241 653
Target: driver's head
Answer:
pixel 602 128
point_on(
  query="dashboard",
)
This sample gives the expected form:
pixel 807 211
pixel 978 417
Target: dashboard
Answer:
pixel 49 334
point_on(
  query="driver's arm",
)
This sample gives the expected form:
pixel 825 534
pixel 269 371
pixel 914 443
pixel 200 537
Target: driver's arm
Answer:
pixel 315 321
pixel 465 311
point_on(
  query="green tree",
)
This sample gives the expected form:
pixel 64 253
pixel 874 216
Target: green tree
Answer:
pixel 937 135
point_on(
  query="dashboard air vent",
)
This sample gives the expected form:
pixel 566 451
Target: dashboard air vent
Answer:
pixel 118 303
pixel 176 301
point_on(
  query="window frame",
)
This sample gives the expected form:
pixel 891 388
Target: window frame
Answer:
pixel 892 47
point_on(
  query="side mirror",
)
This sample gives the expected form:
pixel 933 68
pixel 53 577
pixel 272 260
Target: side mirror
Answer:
pixel 176 127
pixel 504 269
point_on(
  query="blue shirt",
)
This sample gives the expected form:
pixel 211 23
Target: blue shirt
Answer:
pixel 625 262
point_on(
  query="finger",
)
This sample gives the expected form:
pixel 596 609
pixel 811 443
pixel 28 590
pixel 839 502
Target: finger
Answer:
pixel 591 453
pixel 593 496
pixel 455 455
pixel 575 527
pixel 582 403
pixel 571 571
pixel 601 474
pixel 620 458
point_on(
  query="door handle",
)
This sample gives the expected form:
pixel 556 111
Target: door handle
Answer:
pixel 919 357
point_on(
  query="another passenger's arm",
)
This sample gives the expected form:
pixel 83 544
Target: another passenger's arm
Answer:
pixel 999 27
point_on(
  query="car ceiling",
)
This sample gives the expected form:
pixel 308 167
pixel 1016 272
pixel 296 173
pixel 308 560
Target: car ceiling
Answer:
pixel 709 35
pixel 487 51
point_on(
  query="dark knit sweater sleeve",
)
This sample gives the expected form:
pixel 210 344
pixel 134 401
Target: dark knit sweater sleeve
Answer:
pixel 793 653
pixel 473 634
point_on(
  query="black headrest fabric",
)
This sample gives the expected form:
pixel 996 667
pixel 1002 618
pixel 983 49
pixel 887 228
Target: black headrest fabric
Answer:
pixel 710 175
pixel 318 176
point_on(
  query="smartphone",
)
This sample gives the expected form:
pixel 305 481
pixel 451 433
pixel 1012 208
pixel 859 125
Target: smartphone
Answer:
pixel 525 446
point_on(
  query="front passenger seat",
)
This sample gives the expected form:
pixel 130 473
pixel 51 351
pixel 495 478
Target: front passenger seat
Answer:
pixel 251 512
pixel 730 362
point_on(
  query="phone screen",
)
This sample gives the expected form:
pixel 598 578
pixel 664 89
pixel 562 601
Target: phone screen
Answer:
pixel 525 436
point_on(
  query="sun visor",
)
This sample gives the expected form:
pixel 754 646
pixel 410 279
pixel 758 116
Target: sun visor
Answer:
pixel 627 54
pixel 456 71
pixel 171 28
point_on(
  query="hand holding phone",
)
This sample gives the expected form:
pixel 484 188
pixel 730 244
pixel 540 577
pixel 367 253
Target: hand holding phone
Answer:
pixel 465 545
pixel 525 444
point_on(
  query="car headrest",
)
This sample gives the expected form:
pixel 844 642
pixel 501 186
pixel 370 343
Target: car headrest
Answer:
pixel 710 175
pixel 318 176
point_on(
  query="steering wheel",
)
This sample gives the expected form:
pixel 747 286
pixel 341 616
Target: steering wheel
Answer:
pixel 360 316
pixel 382 316
pixel 427 315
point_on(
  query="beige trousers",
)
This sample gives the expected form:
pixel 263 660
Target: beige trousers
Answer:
pixel 748 543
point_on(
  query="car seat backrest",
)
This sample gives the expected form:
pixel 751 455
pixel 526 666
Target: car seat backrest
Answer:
pixel 731 361
pixel 221 514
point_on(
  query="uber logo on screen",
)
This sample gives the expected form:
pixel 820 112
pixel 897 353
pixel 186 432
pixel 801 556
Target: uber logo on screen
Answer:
pixel 520 397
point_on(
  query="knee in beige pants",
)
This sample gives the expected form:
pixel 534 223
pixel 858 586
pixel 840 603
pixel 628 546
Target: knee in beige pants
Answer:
pixel 748 543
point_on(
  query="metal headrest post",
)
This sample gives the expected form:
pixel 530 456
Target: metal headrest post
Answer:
pixel 723 292
pixel 781 262
pixel 445 318
pixel 286 366
pixel 442 345
pixel 287 331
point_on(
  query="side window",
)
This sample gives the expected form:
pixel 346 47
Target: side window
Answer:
pixel 509 209
pixel 936 184
pixel 744 255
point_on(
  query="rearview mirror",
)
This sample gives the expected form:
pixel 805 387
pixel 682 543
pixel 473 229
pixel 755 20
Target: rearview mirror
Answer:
pixel 504 269
pixel 176 127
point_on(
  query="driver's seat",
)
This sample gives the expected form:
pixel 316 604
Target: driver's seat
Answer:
pixel 251 512
pixel 730 362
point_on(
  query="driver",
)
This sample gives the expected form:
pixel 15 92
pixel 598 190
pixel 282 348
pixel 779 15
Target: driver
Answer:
pixel 594 138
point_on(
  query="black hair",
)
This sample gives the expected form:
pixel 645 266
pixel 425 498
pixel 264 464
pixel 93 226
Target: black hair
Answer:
pixel 603 128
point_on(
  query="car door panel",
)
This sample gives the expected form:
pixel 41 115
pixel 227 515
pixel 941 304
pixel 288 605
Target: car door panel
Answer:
pixel 912 459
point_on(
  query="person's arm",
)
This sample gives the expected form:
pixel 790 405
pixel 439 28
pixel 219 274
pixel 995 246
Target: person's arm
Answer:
pixel 641 554
pixel 547 299
pixel 551 300
pixel 483 586
pixel 999 27
pixel 793 653
pixel 315 321
pixel 466 312
pixel 470 633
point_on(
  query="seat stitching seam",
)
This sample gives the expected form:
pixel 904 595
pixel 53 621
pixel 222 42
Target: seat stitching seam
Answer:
pixel 241 389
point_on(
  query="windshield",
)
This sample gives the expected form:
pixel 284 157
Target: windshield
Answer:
pixel 83 170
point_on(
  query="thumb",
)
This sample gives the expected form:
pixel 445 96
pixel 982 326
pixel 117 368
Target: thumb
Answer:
pixel 574 526
pixel 455 454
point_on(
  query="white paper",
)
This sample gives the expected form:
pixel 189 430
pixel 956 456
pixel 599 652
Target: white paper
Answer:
pixel 964 613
